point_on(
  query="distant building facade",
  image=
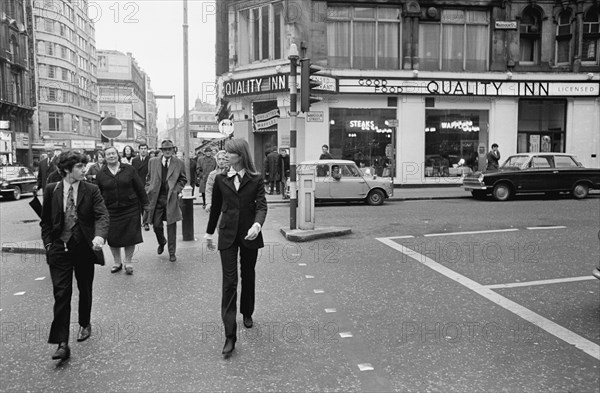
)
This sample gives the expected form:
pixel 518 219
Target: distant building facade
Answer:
pixel 203 127
pixel 17 82
pixel 423 88
pixel 66 66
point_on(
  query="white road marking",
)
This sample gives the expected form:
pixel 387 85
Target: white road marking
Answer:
pixel 553 328
pixel 402 237
pixel 540 282
pixel 470 232
pixel 319 291
pixel 19 294
pixel 552 227
pixel 345 334
pixel 40 278
pixel 307 276
pixel 330 310
pixel 302 264
pixel 365 367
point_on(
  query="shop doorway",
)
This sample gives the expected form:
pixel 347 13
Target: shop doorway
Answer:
pixel 263 141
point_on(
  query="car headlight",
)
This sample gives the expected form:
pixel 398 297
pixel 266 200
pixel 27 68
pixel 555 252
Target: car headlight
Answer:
pixel 480 178
pixel 4 184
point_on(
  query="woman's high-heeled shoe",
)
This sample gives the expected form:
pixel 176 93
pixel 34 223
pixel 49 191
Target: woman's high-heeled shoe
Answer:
pixel 116 268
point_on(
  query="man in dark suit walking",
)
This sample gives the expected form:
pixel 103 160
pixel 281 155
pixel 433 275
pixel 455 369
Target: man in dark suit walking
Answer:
pixel 166 179
pixel 46 167
pixel 74 225
pixel 140 163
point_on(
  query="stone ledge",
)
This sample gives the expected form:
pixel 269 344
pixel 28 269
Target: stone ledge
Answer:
pixel 301 235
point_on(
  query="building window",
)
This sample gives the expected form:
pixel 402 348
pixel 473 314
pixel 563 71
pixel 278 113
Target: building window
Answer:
pixel 49 25
pixel 50 48
pixel 260 33
pixel 541 126
pixel 591 36
pixel 564 34
pixel 362 136
pixel 452 138
pixel 458 42
pixel 363 37
pixel 51 71
pixel 55 120
pixel 530 36
pixel 65 74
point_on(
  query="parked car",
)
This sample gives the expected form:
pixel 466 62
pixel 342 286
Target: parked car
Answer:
pixel 534 173
pixel 16 180
pixel 343 180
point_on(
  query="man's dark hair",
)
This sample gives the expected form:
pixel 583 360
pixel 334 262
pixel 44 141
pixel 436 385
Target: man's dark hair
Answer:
pixel 68 159
pixel 494 145
pixel 142 145
pixel 325 146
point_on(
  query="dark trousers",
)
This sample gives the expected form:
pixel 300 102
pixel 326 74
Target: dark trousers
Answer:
pixel 229 263
pixel 62 264
pixel 160 215
pixel 274 186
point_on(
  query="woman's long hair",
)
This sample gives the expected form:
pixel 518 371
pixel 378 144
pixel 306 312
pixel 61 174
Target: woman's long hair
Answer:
pixel 125 154
pixel 242 149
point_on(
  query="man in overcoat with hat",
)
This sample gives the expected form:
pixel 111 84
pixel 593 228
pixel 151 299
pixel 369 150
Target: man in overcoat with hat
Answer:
pixel 166 179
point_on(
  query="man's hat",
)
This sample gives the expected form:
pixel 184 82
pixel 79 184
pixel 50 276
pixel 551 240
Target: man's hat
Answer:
pixel 167 144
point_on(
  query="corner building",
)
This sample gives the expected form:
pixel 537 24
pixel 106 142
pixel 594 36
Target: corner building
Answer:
pixel 421 88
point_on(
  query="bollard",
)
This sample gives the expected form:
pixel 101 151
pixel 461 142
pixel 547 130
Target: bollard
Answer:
pixel 187 213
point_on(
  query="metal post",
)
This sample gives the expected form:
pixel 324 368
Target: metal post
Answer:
pixel 293 56
pixel 187 224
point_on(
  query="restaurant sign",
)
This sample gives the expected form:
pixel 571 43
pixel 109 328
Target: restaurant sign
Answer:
pixel 271 84
pixel 493 88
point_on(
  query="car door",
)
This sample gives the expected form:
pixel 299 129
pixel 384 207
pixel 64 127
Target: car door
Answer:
pixel 545 178
pixel 351 185
pixel 566 171
pixel 322 181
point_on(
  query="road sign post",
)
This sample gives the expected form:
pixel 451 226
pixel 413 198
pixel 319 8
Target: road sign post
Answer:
pixel 110 128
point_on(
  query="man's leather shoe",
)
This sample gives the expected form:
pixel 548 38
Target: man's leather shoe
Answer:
pixel 172 258
pixel 115 269
pixel 63 352
pixel 84 333
pixel 248 322
pixel 161 248
pixel 229 346
pixel 146 227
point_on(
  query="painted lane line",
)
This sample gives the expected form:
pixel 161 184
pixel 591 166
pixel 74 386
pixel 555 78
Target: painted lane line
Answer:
pixel 551 227
pixel 553 328
pixel 345 334
pixel 365 367
pixel 470 232
pixel 540 282
pixel 302 264
pixel 40 278
pixel 19 293
pixel 307 276
pixel 319 291
pixel 330 310
pixel 402 237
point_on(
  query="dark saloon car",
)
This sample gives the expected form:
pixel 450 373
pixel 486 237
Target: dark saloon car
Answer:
pixel 16 180
pixel 534 173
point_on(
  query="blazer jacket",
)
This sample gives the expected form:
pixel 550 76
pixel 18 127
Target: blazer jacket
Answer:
pixel 92 214
pixel 141 166
pixel 239 209
pixel 44 169
pixel 176 180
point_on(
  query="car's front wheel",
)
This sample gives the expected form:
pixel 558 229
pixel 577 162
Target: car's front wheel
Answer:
pixel 375 198
pixel 580 191
pixel 502 192
pixel 15 195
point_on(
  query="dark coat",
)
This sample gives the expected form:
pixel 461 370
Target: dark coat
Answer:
pixel 193 175
pixel 123 190
pixel 141 166
pixel 271 169
pixel 92 214
pixel 44 169
pixel 284 166
pixel 239 210
pixel 54 176
pixel 492 160
pixel 205 166
pixel 176 180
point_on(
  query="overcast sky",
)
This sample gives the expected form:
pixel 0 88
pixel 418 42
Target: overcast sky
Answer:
pixel 152 30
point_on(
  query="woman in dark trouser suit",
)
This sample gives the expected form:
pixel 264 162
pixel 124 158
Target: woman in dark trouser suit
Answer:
pixel 239 196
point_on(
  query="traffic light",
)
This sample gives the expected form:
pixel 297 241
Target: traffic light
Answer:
pixel 307 84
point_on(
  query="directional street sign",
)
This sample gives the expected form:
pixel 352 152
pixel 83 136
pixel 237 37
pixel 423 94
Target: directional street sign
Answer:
pixel 111 127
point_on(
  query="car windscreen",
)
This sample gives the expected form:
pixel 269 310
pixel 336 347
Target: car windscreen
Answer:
pixel 515 161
